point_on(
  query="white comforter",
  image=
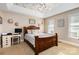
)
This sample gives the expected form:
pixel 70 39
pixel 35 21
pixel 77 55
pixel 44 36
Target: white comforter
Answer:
pixel 31 38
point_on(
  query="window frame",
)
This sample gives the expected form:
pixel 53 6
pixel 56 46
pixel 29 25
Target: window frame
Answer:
pixel 69 22
pixel 53 22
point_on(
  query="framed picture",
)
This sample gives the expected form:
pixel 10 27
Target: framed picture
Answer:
pixel 32 21
pixel 0 20
pixel 16 24
pixel 60 23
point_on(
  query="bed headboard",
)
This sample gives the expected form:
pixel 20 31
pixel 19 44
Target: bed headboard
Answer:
pixel 32 27
pixel 24 30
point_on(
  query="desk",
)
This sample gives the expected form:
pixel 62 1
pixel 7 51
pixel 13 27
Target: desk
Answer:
pixel 8 40
pixel 15 39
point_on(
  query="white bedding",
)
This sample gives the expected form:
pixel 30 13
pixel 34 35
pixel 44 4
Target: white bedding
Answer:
pixel 31 38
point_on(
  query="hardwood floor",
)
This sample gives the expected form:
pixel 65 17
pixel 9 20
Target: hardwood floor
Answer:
pixel 24 49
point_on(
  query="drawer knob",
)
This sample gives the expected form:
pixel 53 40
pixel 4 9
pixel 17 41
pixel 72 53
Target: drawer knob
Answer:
pixel 6 38
pixel 6 44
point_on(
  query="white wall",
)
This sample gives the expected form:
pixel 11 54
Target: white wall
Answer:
pixel 62 31
pixel 23 20
pixel 0 28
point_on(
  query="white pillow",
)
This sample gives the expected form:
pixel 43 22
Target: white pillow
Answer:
pixel 35 32
pixel 29 31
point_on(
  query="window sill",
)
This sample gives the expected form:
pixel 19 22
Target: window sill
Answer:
pixel 74 38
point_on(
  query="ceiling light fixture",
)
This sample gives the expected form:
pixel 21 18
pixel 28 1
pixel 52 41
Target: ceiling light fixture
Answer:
pixel 42 7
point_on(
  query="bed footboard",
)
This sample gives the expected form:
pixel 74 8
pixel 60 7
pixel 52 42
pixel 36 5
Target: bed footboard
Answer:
pixel 45 43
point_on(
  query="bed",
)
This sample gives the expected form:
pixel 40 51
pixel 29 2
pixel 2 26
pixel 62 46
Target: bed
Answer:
pixel 39 42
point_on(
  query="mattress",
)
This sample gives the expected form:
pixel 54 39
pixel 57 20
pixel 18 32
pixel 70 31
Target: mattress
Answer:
pixel 31 37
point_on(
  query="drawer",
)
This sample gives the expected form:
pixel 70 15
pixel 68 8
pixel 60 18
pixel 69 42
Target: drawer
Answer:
pixel 3 42
pixel 6 45
pixel 6 42
pixel 6 38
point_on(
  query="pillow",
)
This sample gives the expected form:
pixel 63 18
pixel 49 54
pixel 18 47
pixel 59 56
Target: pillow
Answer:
pixel 29 31
pixel 35 32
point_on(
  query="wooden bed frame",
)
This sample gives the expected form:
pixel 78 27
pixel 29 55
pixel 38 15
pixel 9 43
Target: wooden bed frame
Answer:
pixel 41 44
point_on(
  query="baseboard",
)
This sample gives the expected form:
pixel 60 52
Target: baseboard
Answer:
pixel 68 42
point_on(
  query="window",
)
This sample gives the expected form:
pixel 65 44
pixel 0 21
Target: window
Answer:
pixel 50 27
pixel 74 27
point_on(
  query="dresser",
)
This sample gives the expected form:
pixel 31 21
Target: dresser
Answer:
pixel 6 41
